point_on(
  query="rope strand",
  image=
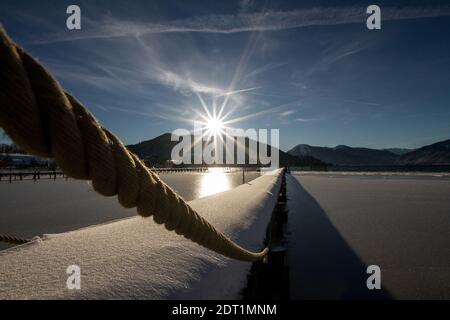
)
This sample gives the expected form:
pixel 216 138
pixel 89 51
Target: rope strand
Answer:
pixel 44 120
pixel 13 240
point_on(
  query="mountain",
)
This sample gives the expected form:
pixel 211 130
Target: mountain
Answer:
pixel 399 151
pixel 289 160
pixel 345 155
pixel 156 150
pixel 159 149
pixel 438 153
pixel 434 154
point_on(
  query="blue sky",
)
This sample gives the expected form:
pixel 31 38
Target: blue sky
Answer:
pixel 311 69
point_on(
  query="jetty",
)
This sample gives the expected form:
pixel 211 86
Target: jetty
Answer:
pixel 135 258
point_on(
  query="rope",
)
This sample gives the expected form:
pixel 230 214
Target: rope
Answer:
pixel 13 240
pixel 44 120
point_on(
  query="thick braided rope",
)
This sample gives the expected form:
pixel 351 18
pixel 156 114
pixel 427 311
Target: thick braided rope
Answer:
pixel 12 240
pixel 46 121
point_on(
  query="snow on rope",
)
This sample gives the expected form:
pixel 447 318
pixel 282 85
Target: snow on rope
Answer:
pixel 44 120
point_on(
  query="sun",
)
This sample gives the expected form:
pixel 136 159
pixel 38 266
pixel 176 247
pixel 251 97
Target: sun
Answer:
pixel 215 125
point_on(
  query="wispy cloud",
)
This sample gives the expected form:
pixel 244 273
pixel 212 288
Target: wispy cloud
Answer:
pixel 287 113
pixel 229 93
pixel 309 119
pixel 265 68
pixel 160 115
pixel 186 84
pixel 246 22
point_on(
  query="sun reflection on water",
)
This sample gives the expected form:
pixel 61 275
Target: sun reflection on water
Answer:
pixel 214 181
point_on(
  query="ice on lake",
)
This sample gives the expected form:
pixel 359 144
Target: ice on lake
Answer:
pixel 29 208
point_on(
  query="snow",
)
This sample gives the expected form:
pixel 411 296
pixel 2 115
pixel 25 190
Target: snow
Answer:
pixel 134 258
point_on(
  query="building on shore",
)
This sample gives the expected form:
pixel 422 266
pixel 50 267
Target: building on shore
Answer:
pixel 24 160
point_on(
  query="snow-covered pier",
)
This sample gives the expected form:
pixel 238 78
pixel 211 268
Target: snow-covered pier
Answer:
pixel 135 258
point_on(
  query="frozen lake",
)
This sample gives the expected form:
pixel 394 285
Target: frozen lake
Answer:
pixel 29 208
pixel 341 223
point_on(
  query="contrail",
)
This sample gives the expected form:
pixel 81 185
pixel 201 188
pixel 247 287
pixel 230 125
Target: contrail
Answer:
pixel 247 22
